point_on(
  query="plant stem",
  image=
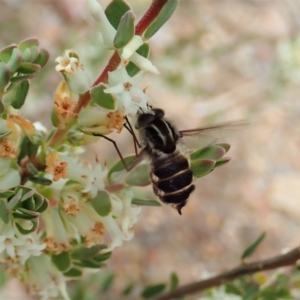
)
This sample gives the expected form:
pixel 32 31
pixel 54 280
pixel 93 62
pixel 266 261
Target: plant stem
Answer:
pixel 282 260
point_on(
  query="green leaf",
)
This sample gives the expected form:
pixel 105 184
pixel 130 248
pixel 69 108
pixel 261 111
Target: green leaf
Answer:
pixel 20 78
pixel 174 281
pixel 31 168
pixel 38 201
pixel 144 51
pixel 6 194
pixel 128 289
pixel 20 94
pixel 43 58
pixel 153 290
pixel 102 257
pixel 119 165
pixel 161 19
pixel 214 152
pixel 28 43
pixel 26 230
pixel 4 76
pixel 4 212
pixel 6 52
pixel 101 203
pixel 40 180
pixel 101 98
pixel 202 167
pixel 75 273
pixel 125 31
pixel 107 283
pixel 115 11
pixel 28 68
pixel 251 291
pixel 88 264
pixel 225 146
pixel 231 288
pixel 139 176
pixel 14 200
pixel 62 261
pixel 15 60
pixel 222 162
pixel 143 202
pixel 84 253
pixel 43 207
pixel 27 149
pixel 250 250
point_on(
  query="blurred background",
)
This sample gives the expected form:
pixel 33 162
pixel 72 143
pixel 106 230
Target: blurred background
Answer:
pixel 219 61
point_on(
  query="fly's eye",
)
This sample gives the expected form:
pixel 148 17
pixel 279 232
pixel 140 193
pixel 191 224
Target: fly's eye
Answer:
pixel 144 119
pixel 159 113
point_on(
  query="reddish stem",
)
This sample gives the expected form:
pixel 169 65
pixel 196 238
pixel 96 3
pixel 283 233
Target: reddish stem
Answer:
pixel 113 63
pixel 149 16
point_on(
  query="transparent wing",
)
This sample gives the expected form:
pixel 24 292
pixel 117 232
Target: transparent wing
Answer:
pixel 204 136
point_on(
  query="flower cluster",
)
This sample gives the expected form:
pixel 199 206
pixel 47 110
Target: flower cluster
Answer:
pixel 62 215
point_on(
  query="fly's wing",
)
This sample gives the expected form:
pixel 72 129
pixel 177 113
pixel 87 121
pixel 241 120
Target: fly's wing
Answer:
pixel 205 136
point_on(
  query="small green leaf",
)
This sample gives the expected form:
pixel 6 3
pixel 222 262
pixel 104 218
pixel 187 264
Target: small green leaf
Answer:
pixel 88 264
pixel 133 69
pixel 232 288
pixel 4 76
pixel 84 253
pixel 115 11
pixel 1 108
pixel 161 19
pixel 6 194
pixel 101 203
pixel 43 207
pixel 15 60
pixel 174 281
pixel 139 176
pixel 28 43
pixel 107 283
pixel 143 202
pixel 202 167
pixel 31 168
pixel 125 31
pixel 6 52
pixel 28 193
pixel 40 180
pixel 119 166
pixel 128 289
pixel 21 94
pixel 26 230
pixel 225 146
pixel 43 58
pixel 73 273
pixel 222 162
pixel 21 78
pixel 153 290
pixel 102 257
pixel 14 200
pixel 38 200
pixel 212 152
pixel 101 98
pixel 27 149
pixel 4 213
pixel 250 250
pixel 28 68
pixel 62 261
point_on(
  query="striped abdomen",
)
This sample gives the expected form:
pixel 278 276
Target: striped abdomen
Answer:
pixel 172 179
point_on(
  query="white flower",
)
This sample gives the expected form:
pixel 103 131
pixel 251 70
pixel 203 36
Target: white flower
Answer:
pixel 107 30
pixel 135 43
pixel 92 178
pixel 69 62
pixel 31 247
pixel 8 241
pixel 130 97
pixel 44 279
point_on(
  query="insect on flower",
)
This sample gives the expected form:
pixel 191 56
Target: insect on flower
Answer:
pixel 171 175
